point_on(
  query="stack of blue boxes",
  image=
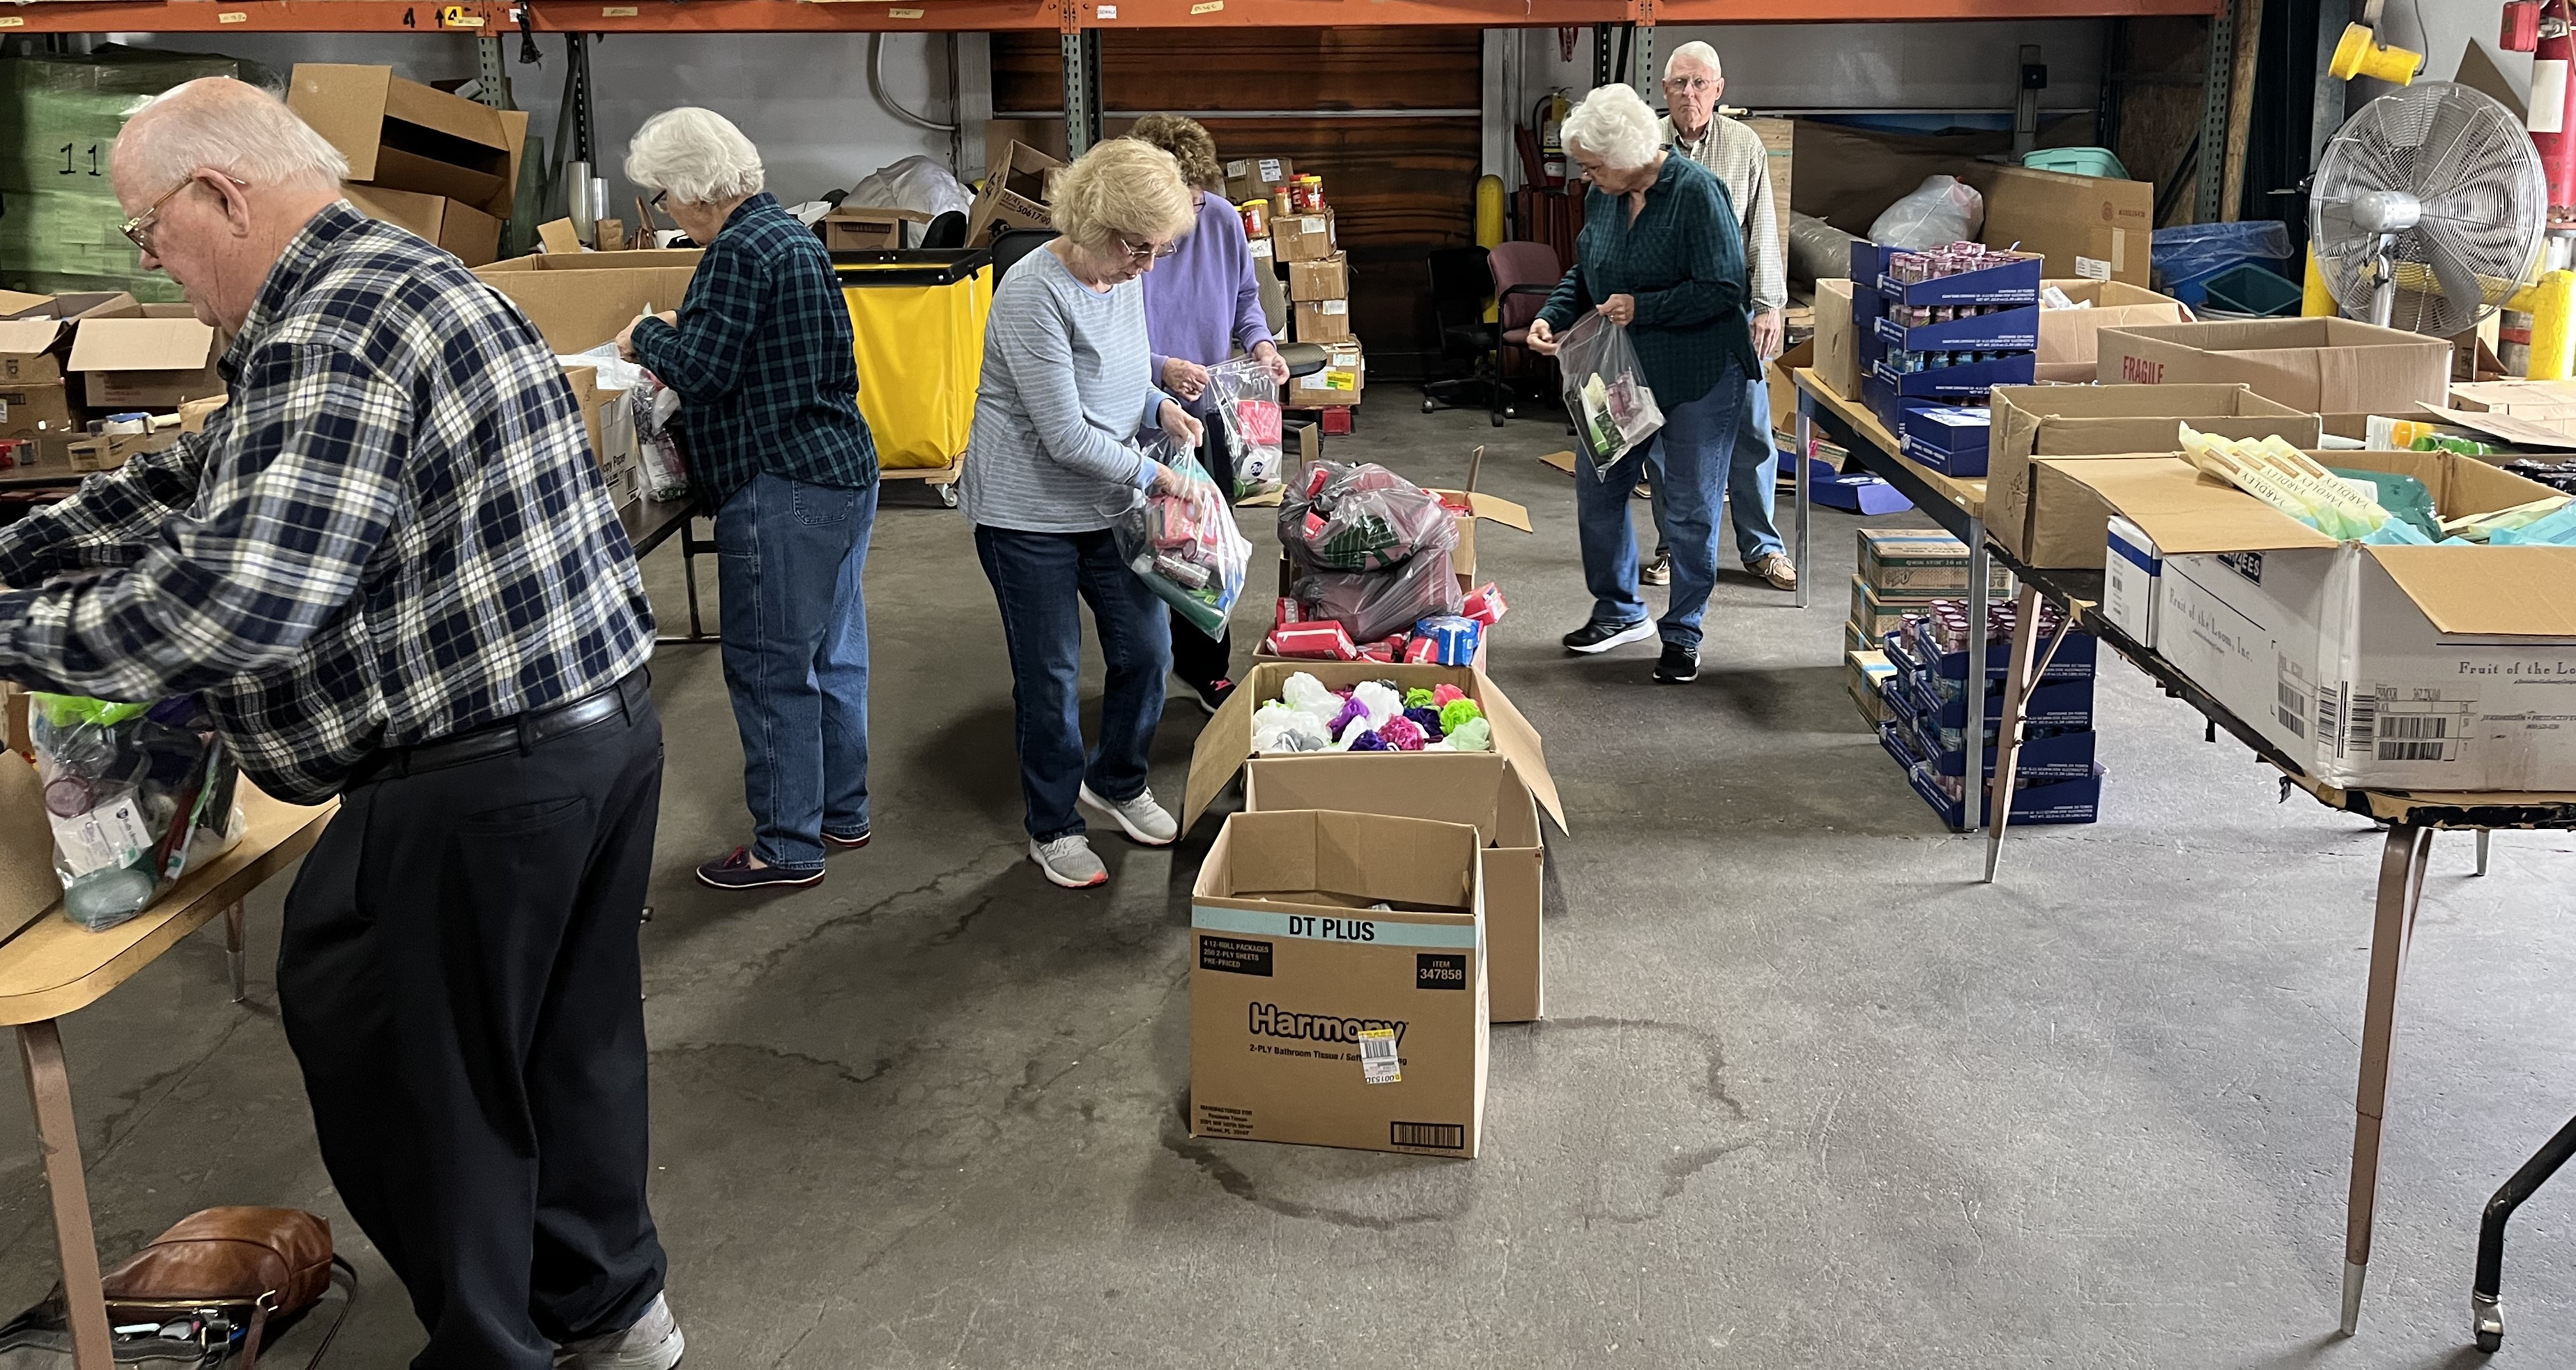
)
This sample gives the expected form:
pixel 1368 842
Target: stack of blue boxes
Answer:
pixel 1938 330
pixel 1926 729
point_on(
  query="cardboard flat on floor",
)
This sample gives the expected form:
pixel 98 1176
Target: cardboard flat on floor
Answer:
pixel 2068 341
pixel 2110 420
pixel 1253 178
pixel 580 300
pixel 473 236
pixel 403 135
pixel 1303 237
pixel 146 363
pixel 2413 668
pixel 856 228
pixel 1225 743
pixel 1322 321
pixel 1292 968
pixel 1013 194
pixel 1477 789
pixel 2318 366
pixel 1324 278
pixel 1837 340
pixel 37 411
pixel 2088 226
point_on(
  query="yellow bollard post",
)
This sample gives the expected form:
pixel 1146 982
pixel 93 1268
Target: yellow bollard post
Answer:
pixel 2553 328
pixel 2316 302
pixel 1489 224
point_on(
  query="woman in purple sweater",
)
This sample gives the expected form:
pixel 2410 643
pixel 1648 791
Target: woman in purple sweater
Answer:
pixel 1200 307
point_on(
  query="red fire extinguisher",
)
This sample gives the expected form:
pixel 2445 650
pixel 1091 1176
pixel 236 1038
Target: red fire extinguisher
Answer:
pixel 2542 28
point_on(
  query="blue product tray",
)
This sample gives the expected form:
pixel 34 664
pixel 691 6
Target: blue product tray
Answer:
pixel 2076 799
pixel 2003 331
pixel 2016 283
pixel 1856 492
pixel 2075 659
pixel 1966 381
pixel 2060 706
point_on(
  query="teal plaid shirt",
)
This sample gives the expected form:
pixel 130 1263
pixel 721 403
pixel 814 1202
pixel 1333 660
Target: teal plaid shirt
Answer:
pixel 1683 260
pixel 762 359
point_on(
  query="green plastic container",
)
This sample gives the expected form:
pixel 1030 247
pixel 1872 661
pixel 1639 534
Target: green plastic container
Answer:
pixel 2250 289
pixel 2076 161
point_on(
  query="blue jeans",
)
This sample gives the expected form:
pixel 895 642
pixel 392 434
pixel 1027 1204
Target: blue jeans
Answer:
pixel 1041 581
pixel 1752 481
pixel 1690 459
pixel 788 560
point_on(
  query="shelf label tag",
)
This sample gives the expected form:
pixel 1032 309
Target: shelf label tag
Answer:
pixel 455 17
pixel 11 21
pixel 617 12
pixel 1207 6
pixel 1108 11
pixel 232 17
pixel 903 14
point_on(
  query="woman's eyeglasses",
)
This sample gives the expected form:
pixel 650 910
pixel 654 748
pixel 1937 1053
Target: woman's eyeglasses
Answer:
pixel 1146 251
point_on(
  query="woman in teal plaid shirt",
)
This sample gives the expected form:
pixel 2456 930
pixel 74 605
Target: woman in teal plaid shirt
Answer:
pixel 1660 254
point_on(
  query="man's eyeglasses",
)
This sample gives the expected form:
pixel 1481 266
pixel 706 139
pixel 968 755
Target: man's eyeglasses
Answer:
pixel 138 230
pixel 1138 252
pixel 1691 85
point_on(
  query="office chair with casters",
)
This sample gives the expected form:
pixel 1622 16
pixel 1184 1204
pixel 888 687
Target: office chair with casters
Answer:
pixel 1011 244
pixel 1461 287
pixel 946 232
pixel 1524 275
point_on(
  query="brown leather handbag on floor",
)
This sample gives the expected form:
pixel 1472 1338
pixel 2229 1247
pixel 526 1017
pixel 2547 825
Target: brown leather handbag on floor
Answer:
pixel 248 1266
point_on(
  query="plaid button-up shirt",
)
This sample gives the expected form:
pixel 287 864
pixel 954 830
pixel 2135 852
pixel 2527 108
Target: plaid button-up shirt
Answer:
pixel 393 533
pixel 1734 154
pixel 762 357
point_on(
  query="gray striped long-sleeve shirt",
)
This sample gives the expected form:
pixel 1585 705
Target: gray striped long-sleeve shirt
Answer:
pixel 1735 155
pixel 1068 384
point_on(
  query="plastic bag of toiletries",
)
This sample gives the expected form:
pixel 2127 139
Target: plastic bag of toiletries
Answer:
pixel 1185 546
pixel 138 795
pixel 1606 395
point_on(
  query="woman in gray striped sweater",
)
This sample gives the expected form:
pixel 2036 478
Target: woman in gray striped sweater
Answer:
pixel 1068 388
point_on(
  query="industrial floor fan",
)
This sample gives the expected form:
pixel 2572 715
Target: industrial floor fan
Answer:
pixel 2428 209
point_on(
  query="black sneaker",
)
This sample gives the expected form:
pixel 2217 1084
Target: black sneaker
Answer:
pixel 1601 637
pixel 736 872
pixel 1212 695
pixel 1678 665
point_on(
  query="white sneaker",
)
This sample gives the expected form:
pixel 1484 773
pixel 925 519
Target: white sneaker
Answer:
pixel 1069 861
pixel 1142 818
pixel 653 1343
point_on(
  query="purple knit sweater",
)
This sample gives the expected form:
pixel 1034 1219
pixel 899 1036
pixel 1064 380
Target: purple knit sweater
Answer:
pixel 1203 302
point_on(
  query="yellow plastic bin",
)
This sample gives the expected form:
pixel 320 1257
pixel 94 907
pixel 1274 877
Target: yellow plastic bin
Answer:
pixel 917 329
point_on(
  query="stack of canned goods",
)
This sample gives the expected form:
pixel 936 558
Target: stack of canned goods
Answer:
pixel 1913 268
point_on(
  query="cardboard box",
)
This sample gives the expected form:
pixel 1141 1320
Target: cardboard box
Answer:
pixel 852 228
pixel 108 451
pixel 2068 338
pixel 2086 226
pixel 2318 366
pixel 1471 508
pixel 1253 178
pixel 13 709
pixel 1474 788
pixel 1225 743
pixel 37 411
pixel 1292 969
pixel 2061 525
pixel 194 413
pixel 1917 564
pixel 1303 237
pixel 1323 321
pixel 1779 147
pixel 1874 615
pixel 473 236
pixel 1324 278
pixel 1865 677
pixel 1344 376
pixel 2130 584
pixel 402 135
pixel 580 300
pixel 1837 340
pixel 36 330
pixel 2420 668
pixel 147 363
pixel 1013 194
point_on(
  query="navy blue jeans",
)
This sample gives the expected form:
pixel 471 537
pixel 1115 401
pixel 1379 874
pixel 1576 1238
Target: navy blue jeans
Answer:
pixel 1041 581
pixel 1691 459
pixel 788 559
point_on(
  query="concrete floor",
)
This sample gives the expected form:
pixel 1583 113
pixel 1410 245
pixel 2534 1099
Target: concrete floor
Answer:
pixel 1811 1097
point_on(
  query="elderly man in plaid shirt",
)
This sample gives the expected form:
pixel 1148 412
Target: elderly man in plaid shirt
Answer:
pixel 390 568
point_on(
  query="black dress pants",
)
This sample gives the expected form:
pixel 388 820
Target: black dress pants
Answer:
pixel 462 983
pixel 1200 660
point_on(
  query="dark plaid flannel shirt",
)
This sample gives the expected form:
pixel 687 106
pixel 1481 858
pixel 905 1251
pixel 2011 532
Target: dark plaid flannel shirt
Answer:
pixel 394 532
pixel 762 357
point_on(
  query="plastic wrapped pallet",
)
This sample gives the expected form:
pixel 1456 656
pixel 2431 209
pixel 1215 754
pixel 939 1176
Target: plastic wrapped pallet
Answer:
pixel 59 117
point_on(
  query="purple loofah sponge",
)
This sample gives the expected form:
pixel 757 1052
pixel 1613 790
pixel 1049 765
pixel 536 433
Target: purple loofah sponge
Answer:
pixel 1428 720
pixel 1370 742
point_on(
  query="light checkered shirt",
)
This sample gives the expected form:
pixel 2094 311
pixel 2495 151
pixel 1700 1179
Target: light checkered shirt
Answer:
pixel 1735 155
pixel 393 533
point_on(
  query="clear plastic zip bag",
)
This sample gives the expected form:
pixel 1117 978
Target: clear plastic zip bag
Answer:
pixel 1185 547
pixel 1605 390
pixel 1247 411
pixel 137 795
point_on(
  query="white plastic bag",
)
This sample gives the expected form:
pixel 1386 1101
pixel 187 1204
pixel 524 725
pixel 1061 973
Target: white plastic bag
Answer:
pixel 1939 212
pixel 1605 390
pixel 1247 411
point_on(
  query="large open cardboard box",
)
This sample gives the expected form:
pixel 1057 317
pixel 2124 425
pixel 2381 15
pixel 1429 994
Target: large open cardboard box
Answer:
pixel 2439 668
pixel 402 135
pixel 1291 964
pixel 472 235
pixel 582 299
pixel 1474 788
pixel 158 361
pixel 2068 338
pixel 2059 524
pixel 2087 226
pixel 1013 194
pixel 1225 743
pixel 2318 366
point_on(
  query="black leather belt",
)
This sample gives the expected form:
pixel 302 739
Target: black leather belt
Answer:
pixel 508 735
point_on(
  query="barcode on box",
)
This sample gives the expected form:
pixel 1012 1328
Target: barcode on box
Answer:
pixel 1444 1136
pixel 1378 1063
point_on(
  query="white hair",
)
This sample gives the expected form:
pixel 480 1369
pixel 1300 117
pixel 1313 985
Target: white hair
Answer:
pixel 219 124
pixel 1696 51
pixel 1616 125
pixel 697 155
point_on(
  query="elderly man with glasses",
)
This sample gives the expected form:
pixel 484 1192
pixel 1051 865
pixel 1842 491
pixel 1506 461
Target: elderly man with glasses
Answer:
pixel 390 569
pixel 1693 83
